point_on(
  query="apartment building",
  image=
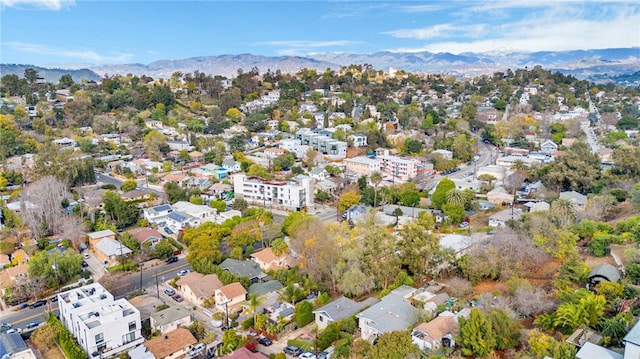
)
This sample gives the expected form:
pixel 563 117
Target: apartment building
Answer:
pixel 397 168
pixel 289 195
pixel 102 325
pixel 324 144
pixel 362 165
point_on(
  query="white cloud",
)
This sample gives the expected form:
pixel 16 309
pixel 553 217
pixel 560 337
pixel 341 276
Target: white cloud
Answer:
pixel 422 8
pixel 556 29
pixel 43 4
pixel 73 54
pixel 439 31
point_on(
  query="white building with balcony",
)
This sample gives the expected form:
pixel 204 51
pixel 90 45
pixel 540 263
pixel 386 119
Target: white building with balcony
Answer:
pixel 288 195
pixel 398 168
pixel 102 325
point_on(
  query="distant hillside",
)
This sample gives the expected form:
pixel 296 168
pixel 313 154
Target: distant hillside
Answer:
pixel 50 75
pixel 225 65
pixel 584 64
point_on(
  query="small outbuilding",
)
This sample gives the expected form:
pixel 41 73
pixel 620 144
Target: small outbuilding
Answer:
pixel 602 273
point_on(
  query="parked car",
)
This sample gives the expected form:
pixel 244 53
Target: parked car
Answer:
pixel 5 326
pixel 197 349
pixel 14 330
pixel 307 355
pixel 172 259
pixel 265 341
pixel 323 355
pixel 183 272
pixel 86 256
pixel 170 291
pixel 32 325
pixel 177 298
pixel 168 230
pixel 54 299
pixel 464 225
pixel 85 264
pixel 292 350
pixel 37 304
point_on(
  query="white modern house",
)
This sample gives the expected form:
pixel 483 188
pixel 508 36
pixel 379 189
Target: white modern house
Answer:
pixel 288 195
pixel 102 325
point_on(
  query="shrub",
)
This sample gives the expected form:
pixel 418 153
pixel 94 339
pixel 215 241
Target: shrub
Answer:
pixel 175 243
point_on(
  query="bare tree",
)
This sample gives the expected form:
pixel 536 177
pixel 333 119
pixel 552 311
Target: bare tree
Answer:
pixel 529 301
pixel 72 228
pixel 41 206
pixel 459 287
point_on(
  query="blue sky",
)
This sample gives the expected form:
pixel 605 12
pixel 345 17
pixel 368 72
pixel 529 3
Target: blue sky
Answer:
pixel 68 32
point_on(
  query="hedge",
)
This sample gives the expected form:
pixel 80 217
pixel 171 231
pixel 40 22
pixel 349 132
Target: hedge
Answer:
pixel 65 340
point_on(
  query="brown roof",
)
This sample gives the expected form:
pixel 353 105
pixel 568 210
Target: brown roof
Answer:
pixel 195 154
pixel 20 255
pixel 170 343
pixel 243 353
pixel 233 290
pixel 266 255
pixel 18 270
pixel 438 327
pixel 4 259
pixel 133 194
pixel 177 177
pixel 201 285
pixel 143 234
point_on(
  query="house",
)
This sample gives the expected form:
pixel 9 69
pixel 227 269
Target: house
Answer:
pixel 109 251
pixel 591 351
pixel 358 140
pixel 446 154
pixel 602 273
pixel 243 353
pixel 267 260
pixel 538 206
pixel 577 199
pixel 196 287
pixel 196 156
pixel 199 183
pixel 499 196
pixel 170 319
pixel 134 195
pixel 156 214
pixel 319 174
pixel 177 178
pixel 12 346
pixel 436 334
pixel 456 243
pixel 217 189
pixel 263 288
pixel 393 312
pixel 230 295
pixel 548 147
pixel 146 235
pixel 171 345
pixel 231 165
pixel 248 268
pixel 102 325
pixel 95 237
pixel 499 219
pixel 431 304
pixel 337 310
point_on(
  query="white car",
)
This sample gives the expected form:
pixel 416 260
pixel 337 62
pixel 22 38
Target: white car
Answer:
pixel 307 355
pixel 14 330
pixel 183 272
pixel 197 349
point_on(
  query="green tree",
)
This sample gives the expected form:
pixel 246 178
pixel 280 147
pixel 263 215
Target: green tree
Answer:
pixel 505 328
pixel 303 313
pixel 121 213
pixel 128 185
pixel 418 246
pixel 163 250
pixel 219 205
pixel 396 344
pixel 476 334
pixel 174 192
pixel 55 268
pixel 231 341
pixel 456 197
pixel 439 197
pixel 292 220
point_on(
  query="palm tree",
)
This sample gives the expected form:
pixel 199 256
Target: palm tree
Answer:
pixel 456 197
pixel 254 302
pixel 376 178
pixel 564 210
pixel 291 293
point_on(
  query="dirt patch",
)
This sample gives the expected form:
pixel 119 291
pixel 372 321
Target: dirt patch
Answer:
pixel 618 250
pixel 489 286
pixel 53 353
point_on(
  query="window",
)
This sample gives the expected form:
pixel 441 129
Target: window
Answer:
pixel 128 338
pixel 132 326
pixel 99 338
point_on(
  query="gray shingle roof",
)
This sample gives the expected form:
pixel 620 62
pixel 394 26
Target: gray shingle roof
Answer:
pixel 607 271
pixel 265 287
pixel 247 268
pixel 394 312
pixel 340 308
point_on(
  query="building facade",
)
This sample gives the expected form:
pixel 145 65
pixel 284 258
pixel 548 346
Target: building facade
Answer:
pixel 102 325
pixel 278 194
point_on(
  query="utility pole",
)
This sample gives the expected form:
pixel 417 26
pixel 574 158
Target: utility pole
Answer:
pixel 141 265
pixel 157 286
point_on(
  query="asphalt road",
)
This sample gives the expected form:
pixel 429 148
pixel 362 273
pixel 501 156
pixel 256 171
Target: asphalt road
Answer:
pixel 106 179
pixel 128 284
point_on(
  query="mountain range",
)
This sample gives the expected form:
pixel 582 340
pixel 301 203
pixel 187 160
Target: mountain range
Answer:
pixel 603 64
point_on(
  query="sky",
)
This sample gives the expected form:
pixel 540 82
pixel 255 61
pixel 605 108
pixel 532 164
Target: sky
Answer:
pixel 76 32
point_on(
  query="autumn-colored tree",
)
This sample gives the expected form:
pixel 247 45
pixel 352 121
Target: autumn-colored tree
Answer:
pixel 128 185
pixel 347 200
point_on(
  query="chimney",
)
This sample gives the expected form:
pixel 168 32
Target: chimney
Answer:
pixel 166 337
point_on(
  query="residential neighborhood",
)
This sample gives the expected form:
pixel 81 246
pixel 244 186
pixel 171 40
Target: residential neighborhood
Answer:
pixel 342 214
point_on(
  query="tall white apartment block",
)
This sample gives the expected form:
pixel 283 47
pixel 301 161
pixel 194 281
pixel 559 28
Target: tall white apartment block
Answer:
pixel 278 194
pixel 102 325
pixel 398 168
